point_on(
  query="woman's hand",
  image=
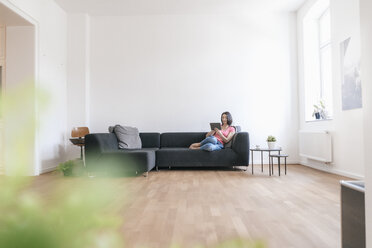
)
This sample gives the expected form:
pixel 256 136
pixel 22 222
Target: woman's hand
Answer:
pixel 218 132
pixel 223 137
pixel 210 133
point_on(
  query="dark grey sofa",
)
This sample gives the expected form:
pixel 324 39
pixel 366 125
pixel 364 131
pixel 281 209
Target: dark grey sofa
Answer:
pixel 103 155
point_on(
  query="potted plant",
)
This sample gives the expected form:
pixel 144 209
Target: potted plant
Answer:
pixel 271 140
pixel 319 111
pixel 316 114
pixel 66 167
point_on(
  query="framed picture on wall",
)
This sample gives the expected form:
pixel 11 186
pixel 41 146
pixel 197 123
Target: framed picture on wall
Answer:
pixel 350 74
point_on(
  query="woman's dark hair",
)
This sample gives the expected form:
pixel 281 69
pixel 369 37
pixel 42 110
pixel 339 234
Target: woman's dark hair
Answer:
pixel 229 117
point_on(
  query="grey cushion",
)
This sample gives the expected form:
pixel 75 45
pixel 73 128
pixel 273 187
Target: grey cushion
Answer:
pixel 128 137
pixel 148 140
pixel 238 129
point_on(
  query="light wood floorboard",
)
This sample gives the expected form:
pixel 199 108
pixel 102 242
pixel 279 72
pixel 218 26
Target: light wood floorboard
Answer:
pixel 190 207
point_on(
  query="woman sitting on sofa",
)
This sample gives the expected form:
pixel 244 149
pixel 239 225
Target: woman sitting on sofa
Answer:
pixel 216 138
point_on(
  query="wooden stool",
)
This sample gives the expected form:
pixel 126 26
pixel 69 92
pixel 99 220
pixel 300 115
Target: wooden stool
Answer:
pixel 271 159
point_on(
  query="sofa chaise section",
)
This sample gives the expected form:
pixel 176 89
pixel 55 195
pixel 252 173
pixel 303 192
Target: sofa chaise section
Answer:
pixel 103 156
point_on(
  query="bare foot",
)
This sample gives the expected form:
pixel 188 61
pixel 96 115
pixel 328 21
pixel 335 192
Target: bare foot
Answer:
pixel 195 146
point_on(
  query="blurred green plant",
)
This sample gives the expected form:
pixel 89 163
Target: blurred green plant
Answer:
pixel 72 168
pixel 74 217
pixel 77 214
pixel 240 243
pixel 66 167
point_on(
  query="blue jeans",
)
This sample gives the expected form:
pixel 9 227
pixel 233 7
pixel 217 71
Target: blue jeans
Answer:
pixel 211 144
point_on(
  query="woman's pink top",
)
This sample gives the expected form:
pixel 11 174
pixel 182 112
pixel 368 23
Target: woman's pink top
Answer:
pixel 225 133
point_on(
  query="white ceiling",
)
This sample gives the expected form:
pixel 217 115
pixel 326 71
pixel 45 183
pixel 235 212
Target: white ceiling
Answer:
pixel 158 7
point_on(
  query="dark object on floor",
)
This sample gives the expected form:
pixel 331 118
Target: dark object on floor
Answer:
pixel 353 227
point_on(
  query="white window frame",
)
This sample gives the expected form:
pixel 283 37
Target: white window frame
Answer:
pixel 322 47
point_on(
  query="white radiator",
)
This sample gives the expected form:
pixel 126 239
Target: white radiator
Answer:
pixel 316 145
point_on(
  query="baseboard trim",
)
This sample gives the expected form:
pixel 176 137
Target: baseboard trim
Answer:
pixel 334 171
pixel 47 170
pixel 258 162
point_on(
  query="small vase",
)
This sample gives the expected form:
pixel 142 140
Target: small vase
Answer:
pixel 271 145
pixel 317 116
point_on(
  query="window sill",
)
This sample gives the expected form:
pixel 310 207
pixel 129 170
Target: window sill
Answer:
pixel 320 120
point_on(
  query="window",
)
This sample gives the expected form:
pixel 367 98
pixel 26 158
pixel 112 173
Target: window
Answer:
pixel 318 61
pixel 325 61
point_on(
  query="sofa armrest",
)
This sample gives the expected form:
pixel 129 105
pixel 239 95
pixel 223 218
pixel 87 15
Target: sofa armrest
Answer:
pixel 241 146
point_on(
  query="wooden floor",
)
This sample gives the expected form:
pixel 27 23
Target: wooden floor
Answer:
pixel 190 207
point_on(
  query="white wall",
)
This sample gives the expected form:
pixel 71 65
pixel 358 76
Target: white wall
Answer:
pixel 346 126
pixel 169 73
pixel 20 72
pixel 51 48
pixel 20 52
pixel 78 74
pixel 366 32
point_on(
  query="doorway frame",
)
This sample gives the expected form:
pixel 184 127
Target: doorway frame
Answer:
pixel 35 171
